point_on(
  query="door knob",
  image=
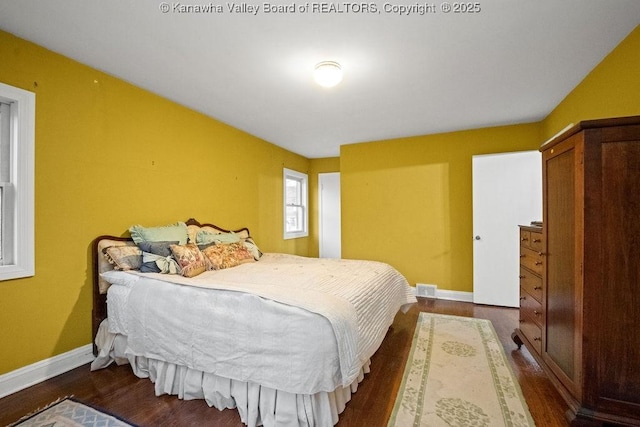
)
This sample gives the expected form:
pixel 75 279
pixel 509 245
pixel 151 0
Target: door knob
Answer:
pixel 477 238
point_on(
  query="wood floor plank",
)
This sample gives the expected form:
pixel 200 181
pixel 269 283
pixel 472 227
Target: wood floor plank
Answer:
pixel 118 391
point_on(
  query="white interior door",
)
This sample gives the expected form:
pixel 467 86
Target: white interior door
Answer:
pixel 507 192
pixel 329 228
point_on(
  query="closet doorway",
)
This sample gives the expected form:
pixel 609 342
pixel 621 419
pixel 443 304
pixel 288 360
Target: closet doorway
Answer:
pixel 329 221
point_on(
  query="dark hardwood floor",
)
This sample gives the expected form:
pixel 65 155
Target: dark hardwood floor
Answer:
pixel 118 391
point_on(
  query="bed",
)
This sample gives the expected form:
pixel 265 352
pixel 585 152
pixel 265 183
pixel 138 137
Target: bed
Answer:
pixel 283 339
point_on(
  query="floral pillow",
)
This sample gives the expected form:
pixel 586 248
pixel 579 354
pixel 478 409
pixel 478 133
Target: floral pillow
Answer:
pixel 124 257
pixel 227 255
pixel 191 261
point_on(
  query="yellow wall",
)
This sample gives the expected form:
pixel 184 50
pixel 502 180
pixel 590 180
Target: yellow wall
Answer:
pixel 612 89
pixel 109 155
pixel 408 201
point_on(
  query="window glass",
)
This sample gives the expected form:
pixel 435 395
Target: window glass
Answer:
pixel 17 144
pixel 295 204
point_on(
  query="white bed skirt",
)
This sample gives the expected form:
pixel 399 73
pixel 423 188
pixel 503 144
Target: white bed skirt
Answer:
pixel 256 404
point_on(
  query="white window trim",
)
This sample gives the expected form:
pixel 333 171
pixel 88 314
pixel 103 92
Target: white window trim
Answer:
pixel 289 173
pixel 22 140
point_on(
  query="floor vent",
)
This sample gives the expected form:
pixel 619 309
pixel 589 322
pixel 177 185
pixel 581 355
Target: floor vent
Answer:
pixel 423 290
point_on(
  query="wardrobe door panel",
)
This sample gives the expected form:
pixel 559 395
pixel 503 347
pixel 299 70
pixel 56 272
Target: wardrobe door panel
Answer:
pixel 560 297
pixel 619 294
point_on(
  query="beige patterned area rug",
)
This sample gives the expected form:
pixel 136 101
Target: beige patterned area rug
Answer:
pixel 70 413
pixel 457 375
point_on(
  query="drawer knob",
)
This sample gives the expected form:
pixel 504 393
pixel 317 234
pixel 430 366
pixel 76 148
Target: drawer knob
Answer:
pixel 536 312
pixel 541 254
pixel 537 288
pixel 523 298
pixel 522 276
pixel 537 240
pixel 538 262
pixel 537 339
pixel 522 255
pixel 521 320
pixel 524 239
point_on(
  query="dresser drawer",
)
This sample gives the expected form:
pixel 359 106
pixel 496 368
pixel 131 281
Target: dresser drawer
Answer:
pixel 531 283
pixel 532 332
pixel 530 307
pixel 525 238
pixel 531 259
pixel 535 242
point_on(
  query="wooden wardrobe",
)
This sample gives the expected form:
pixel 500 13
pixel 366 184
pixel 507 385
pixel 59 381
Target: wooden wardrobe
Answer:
pixel 590 323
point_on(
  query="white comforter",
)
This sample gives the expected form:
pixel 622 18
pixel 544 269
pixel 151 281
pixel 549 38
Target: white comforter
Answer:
pixel 182 321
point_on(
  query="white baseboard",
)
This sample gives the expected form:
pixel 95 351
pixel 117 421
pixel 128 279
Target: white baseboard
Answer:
pixel 455 295
pixel 35 373
pixel 447 295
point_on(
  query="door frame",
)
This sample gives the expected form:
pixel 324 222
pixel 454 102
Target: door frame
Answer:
pixel 518 201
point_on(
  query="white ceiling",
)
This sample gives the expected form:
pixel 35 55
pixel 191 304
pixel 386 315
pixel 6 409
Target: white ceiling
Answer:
pixel 512 62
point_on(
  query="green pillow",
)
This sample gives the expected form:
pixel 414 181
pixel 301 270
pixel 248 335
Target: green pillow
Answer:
pixel 175 232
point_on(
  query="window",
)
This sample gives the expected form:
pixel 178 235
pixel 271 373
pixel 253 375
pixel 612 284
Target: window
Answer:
pixel 17 141
pixel 296 214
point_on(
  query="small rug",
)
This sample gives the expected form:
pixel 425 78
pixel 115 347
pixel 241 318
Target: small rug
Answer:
pixel 69 413
pixel 458 375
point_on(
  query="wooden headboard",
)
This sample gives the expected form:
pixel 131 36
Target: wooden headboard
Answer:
pixel 99 312
pixel 100 265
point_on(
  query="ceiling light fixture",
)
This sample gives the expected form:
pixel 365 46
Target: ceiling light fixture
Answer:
pixel 328 73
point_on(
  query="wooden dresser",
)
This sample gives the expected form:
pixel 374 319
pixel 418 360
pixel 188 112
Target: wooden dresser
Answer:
pixel 589 341
pixel 531 264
